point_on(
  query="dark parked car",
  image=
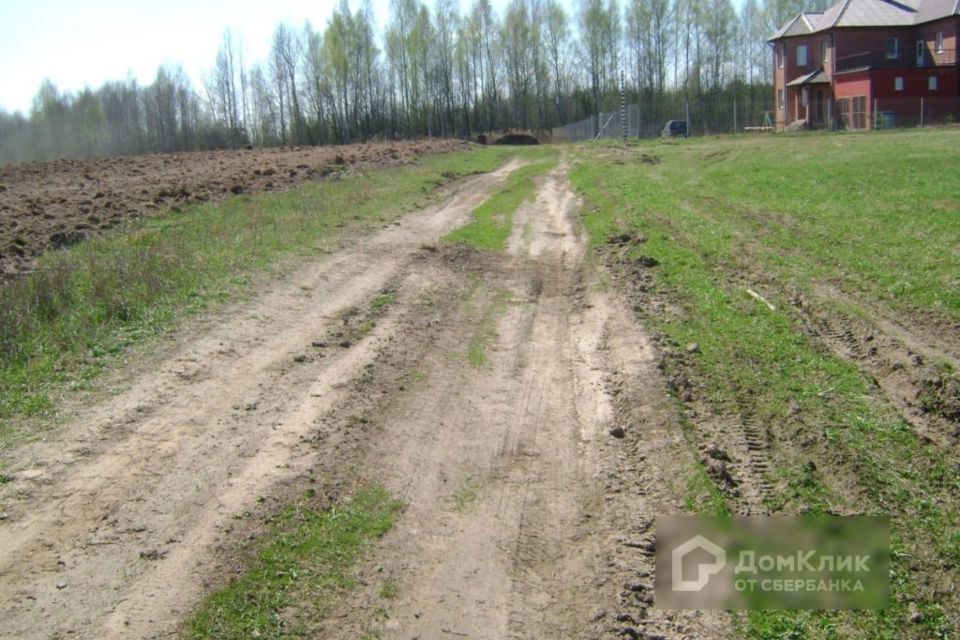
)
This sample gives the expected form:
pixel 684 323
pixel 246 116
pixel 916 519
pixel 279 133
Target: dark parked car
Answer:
pixel 674 129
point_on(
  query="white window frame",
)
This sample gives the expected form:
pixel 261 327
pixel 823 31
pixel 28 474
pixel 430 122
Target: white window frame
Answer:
pixel 896 48
pixel 802 48
pixel 938 47
pixel 780 99
pixel 824 51
pixel 781 55
pixel 933 83
pixel 898 83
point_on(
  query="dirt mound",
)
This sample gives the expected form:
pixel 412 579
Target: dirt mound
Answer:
pixel 46 205
pixel 516 139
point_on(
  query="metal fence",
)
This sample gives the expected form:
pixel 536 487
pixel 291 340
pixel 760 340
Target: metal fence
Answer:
pixel 891 113
pixel 703 117
pixel 850 114
pixel 608 125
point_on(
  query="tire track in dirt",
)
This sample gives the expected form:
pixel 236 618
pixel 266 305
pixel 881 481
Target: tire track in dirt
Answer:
pixel 735 449
pixel 525 518
pixel 112 522
pixel 900 361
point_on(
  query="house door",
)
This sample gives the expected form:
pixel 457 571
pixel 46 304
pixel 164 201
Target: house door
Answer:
pixel 819 107
pixel 921 49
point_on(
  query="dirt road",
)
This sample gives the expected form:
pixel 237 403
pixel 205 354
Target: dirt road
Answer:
pixel 525 518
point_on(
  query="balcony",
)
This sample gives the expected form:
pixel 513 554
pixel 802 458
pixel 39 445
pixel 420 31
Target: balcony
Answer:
pixel 907 59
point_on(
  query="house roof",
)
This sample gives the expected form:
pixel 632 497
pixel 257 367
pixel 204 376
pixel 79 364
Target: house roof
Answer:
pixel 931 10
pixel 869 13
pixel 817 77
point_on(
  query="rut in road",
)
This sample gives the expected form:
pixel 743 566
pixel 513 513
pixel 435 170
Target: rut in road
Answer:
pixel 112 525
pixel 525 518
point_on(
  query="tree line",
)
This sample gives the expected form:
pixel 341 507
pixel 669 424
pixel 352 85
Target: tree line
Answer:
pixel 433 70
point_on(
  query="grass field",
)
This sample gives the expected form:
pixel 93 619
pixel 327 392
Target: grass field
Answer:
pixel 83 306
pixel 875 218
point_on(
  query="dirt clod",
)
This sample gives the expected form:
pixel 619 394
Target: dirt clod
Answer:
pixel 646 261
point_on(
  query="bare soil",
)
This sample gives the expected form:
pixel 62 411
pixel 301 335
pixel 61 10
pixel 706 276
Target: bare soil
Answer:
pixel 525 516
pixel 46 205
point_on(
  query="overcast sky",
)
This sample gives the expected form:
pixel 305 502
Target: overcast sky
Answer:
pixel 78 43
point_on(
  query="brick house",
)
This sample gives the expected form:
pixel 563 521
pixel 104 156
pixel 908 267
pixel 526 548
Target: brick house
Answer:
pixel 833 69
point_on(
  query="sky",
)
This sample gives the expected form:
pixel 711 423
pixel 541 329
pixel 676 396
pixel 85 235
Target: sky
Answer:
pixel 78 43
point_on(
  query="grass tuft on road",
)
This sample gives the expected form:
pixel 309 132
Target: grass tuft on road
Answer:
pixel 307 559
pixel 62 324
pixel 493 220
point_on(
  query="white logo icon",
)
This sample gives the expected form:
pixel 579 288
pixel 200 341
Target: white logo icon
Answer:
pixel 704 570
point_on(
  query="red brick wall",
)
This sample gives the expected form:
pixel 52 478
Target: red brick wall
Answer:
pixel 848 85
pixel 915 83
pixel 778 83
pixel 791 71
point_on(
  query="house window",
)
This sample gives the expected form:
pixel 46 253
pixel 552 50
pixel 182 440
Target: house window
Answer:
pixel 893 48
pixel 824 51
pixel 898 83
pixel 780 99
pixel 780 57
pixel 802 55
pixel 932 83
pixel 939 42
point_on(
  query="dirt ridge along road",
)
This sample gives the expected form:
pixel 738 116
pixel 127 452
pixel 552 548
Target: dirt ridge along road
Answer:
pixel 525 517
pixel 110 523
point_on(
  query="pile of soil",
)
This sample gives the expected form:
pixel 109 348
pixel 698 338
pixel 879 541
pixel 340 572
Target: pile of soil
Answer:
pixel 47 205
pixel 516 139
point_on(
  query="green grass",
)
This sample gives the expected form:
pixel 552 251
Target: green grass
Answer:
pixel 83 306
pixel 493 220
pixel 859 213
pixel 465 496
pixel 703 496
pixel 306 560
pixel 382 301
pixel 389 590
pixel 486 330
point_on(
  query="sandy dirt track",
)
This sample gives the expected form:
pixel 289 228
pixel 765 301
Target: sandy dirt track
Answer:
pixel 524 517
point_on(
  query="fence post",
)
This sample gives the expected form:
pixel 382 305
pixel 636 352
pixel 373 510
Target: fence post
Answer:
pixel 876 114
pixel 686 107
pixel 623 107
pixel 734 115
pixel 921 113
